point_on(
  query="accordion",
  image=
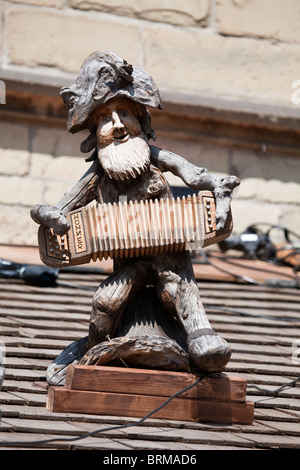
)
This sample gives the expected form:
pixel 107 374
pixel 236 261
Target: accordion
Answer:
pixel 130 229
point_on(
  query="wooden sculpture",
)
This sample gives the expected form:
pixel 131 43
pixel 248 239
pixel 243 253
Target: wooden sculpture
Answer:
pixel 148 312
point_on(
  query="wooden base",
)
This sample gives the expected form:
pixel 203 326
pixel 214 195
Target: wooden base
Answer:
pixel 130 392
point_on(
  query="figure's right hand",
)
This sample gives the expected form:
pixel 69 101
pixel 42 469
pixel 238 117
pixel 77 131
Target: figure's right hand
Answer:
pixel 51 217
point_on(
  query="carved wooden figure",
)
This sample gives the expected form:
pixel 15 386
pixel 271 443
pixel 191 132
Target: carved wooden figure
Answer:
pixel 148 312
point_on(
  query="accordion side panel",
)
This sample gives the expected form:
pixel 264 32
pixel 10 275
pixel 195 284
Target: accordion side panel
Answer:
pixel 79 237
pixel 54 250
pixel 199 222
pixel 211 234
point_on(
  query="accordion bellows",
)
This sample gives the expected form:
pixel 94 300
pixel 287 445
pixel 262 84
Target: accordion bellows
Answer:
pixel 133 229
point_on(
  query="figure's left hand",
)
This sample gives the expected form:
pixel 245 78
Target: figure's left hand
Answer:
pixel 200 179
pixel 223 195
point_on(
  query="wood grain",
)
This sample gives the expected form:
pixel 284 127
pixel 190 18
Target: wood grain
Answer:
pixel 65 400
pixel 152 382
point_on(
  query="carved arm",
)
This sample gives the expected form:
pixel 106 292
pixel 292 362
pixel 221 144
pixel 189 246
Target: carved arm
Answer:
pixel 83 192
pixel 198 178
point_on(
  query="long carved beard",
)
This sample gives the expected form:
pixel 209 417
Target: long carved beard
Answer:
pixel 126 160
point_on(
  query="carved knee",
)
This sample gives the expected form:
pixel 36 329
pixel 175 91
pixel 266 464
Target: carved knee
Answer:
pixel 101 302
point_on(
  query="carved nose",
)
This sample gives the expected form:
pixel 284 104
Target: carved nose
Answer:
pixel 117 123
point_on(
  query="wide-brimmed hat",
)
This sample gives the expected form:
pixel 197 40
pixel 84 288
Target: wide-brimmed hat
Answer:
pixel 104 76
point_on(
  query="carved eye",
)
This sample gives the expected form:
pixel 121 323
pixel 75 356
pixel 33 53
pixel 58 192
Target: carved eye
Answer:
pixel 69 97
pixel 106 118
pixel 72 101
pixel 123 113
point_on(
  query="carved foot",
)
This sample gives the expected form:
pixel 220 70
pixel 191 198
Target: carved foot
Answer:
pixel 148 351
pixel 208 351
pixel 57 370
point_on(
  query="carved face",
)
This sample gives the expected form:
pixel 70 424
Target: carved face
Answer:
pixel 116 123
pixel 123 149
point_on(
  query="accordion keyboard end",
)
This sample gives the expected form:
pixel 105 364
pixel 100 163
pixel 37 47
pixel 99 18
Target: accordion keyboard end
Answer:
pixel 54 249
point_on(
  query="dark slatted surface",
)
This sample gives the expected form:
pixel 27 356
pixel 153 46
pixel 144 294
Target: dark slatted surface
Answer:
pixel 260 323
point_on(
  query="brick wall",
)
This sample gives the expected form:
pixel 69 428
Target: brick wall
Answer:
pixel 219 47
pixel 236 58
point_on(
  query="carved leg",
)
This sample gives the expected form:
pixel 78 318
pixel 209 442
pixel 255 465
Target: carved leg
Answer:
pixel 109 302
pixel 111 299
pixel 178 291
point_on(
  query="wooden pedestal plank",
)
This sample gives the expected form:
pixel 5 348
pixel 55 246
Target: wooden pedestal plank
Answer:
pixel 154 382
pixel 136 392
pixel 118 404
